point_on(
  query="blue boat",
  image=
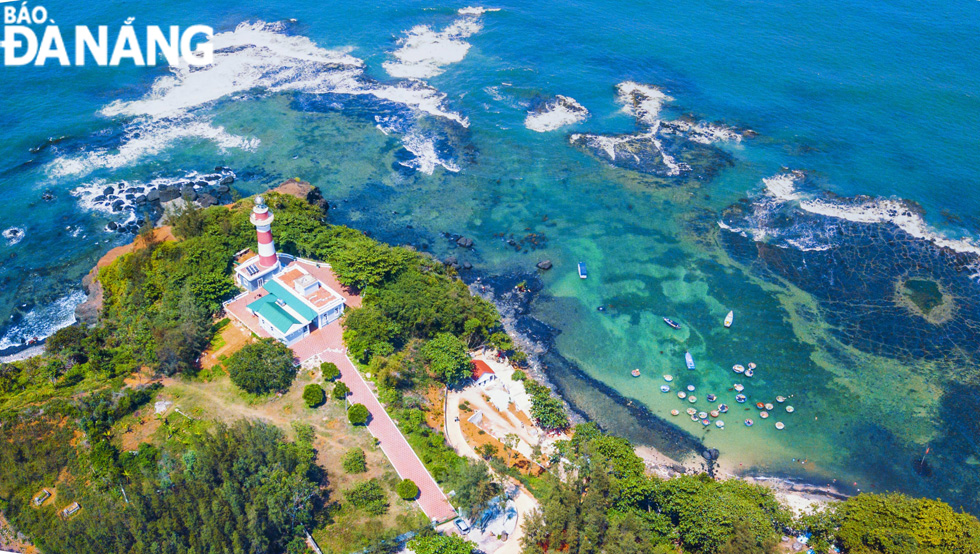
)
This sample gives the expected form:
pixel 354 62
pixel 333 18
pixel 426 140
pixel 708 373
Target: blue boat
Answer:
pixel 689 360
pixel 582 273
pixel 673 324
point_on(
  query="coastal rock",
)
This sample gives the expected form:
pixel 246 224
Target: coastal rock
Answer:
pixel 206 200
pixel 47 196
pixel 118 205
pixel 222 189
pixel 112 226
pixel 226 180
pixel 108 191
pixel 189 194
pixel 464 242
pixel 168 194
pixel 153 196
pixel 451 261
pixel 544 264
pixel 467 266
pixel 140 200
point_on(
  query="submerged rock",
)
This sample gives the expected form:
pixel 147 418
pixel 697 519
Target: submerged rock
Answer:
pixel 544 264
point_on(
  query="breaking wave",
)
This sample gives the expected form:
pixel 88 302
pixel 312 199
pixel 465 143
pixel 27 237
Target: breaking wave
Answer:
pixel 42 322
pixel 555 114
pixel 423 52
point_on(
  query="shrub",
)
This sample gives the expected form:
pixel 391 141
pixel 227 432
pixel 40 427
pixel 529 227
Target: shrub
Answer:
pixel 441 544
pixel 447 358
pixel 368 496
pixel 358 414
pixel 340 390
pixel 407 489
pixel 519 375
pixel 329 370
pixel 354 461
pixel 313 395
pixel 262 367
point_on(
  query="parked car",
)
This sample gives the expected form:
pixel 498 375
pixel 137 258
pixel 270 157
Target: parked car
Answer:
pixel 461 524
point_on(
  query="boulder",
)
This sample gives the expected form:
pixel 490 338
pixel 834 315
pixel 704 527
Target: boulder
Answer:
pixel 189 194
pixel 118 205
pixel 467 265
pixel 111 226
pixel 153 196
pixel 544 264
pixel 464 242
pixel 206 200
pixel 47 196
pixel 108 191
pixel 227 180
pixel 168 194
pixel 221 189
pixel 140 199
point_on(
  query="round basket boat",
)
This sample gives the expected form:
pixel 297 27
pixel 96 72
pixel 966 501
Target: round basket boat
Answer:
pixel 780 399
pixel 682 395
pixel 760 405
pixel 780 426
pixel 749 423
pixel 691 411
pixel 740 398
pixel 790 409
pixel 714 413
pixel 702 415
pixel 749 373
pixel 738 368
pixel 711 398
pixel 668 378
pixel 723 408
pixel 694 417
pixel 692 399
pixel 706 422
pixel 720 424
pixel 764 414
pixel 675 412
pixel 752 365
pixel 664 388
pixel 635 373
pixel 690 388
pixel 739 387
pixel 768 406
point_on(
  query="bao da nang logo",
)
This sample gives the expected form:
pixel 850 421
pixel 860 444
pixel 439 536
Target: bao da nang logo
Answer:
pixel 30 37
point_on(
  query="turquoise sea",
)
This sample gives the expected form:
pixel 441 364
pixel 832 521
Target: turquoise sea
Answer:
pixel 811 166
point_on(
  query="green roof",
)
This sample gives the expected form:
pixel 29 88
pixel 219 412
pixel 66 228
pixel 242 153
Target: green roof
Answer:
pixel 290 299
pixel 278 317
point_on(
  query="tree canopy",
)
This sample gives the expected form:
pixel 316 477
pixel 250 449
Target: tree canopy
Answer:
pixel 263 366
pixel 448 358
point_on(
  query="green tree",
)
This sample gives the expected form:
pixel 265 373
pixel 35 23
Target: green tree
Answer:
pixel 441 544
pixel 262 367
pixel 448 358
pixel 368 496
pixel 340 390
pixel 329 370
pixel 358 414
pixel 546 409
pixel 407 489
pixel 313 395
pixel 354 461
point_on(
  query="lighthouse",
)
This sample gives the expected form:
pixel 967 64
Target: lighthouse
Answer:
pixel 262 219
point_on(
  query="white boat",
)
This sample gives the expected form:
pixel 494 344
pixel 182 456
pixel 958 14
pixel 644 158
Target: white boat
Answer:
pixel 729 319
pixel 689 360
pixel 582 272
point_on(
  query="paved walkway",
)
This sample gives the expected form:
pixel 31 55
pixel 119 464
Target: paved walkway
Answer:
pixel 407 464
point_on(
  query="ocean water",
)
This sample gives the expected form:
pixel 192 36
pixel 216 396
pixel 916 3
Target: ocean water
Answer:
pixel 810 166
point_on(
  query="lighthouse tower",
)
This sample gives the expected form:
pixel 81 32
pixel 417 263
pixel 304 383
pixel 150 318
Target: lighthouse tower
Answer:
pixel 262 219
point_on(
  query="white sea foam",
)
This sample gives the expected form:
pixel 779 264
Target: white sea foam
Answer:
pixel 254 57
pixel 701 132
pixel 423 52
pixel 426 156
pixel 42 322
pixel 13 235
pixel 643 102
pixel 555 114
pixel 783 186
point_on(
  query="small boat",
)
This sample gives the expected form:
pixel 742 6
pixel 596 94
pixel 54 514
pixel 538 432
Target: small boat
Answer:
pixel 673 324
pixel 664 388
pixel 738 368
pixel 668 378
pixel 690 388
pixel 749 373
pixel 692 399
pixel 752 365
pixel 768 406
pixel 674 412
pixel 706 422
pixel 780 399
pixel 723 408
pixel 691 411
pixel 689 360
pixel 790 409
pixel 711 398
pixel 729 319
pixel 702 415
pixel 694 417
pixel 749 423
pixel 714 413
pixel 720 424
pixel 682 395
pixel 740 398
pixel 760 405
pixel 739 387
pixel 763 414
pixel 635 373
pixel 780 426
pixel 582 272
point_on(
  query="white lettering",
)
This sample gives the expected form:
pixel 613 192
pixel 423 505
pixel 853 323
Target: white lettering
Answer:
pixel 39 14
pixel 170 49
pixel 52 46
pixel 204 55
pixel 85 41
pixel 127 47
pixel 10 45
pixel 9 15
pixel 24 15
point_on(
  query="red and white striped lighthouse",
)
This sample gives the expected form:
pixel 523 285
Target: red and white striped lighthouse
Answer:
pixel 262 219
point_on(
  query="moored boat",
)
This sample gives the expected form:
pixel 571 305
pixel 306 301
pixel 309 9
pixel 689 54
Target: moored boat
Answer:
pixel 690 388
pixel 780 426
pixel 664 388
pixel 763 414
pixel 668 378
pixel 790 409
pixel 738 368
pixel 723 408
pixel 749 423
pixel 692 399
pixel 749 373
pixel 635 372
pixel 740 398
pixel 720 424
pixel 691 411
pixel 674 412
pixel 673 324
pixel 739 387
pixel 682 395
pixel 689 360
pixel 711 398
pixel 729 319
pixel 582 272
